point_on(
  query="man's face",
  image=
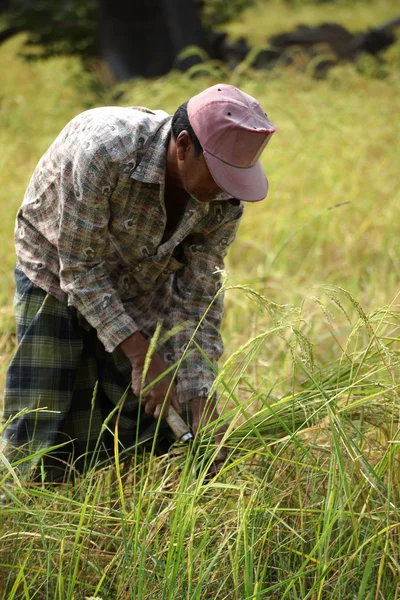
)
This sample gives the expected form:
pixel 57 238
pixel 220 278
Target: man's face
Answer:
pixel 194 174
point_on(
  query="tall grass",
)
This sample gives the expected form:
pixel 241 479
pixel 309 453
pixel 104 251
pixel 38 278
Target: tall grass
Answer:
pixel 306 505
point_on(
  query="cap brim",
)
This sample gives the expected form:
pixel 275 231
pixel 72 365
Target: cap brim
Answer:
pixel 250 185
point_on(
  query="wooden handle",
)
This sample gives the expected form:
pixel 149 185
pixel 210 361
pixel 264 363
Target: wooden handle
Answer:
pixel 179 428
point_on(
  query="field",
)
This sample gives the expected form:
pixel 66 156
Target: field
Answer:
pixel 307 505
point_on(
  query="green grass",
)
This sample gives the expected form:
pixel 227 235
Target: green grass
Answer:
pixel 306 506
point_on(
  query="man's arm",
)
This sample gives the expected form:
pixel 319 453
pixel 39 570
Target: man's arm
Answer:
pixel 162 394
pixel 88 178
pixel 195 298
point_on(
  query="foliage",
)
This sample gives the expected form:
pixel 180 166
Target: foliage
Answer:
pixel 216 12
pixel 71 28
pixel 57 28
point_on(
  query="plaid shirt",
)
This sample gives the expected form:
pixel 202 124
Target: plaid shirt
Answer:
pixel 91 232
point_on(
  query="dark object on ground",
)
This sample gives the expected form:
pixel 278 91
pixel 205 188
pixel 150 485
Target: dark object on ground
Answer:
pixel 333 41
pixel 326 45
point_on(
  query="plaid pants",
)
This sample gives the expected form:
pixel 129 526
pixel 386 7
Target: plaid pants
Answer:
pixel 62 387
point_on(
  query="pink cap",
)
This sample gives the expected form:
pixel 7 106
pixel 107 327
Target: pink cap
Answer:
pixel 233 130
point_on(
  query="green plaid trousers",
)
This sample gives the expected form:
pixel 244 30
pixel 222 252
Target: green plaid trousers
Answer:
pixel 62 387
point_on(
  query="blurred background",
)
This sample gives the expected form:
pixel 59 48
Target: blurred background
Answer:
pixel 326 72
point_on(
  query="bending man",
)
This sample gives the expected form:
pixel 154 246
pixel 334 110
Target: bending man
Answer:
pixel 125 224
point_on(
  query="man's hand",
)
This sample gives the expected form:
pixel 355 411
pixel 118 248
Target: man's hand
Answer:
pixel 204 411
pixel 135 347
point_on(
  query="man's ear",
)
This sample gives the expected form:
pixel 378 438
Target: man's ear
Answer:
pixel 183 145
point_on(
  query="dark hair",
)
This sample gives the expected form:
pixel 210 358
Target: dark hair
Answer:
pixel 180 122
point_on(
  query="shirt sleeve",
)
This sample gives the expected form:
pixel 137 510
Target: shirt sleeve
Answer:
pixel 194 293
pixel 88 179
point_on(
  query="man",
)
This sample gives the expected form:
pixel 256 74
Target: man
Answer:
pixel 124 228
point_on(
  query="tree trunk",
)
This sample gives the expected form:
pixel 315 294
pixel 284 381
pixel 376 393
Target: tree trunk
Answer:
pixel 138 38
